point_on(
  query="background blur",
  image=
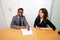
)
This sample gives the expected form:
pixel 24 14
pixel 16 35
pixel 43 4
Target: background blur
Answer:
pixel 8 9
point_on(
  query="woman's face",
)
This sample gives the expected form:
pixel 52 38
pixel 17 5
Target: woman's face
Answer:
pixel 41 14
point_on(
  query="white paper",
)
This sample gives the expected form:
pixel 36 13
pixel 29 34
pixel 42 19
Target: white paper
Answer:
pixel 26 32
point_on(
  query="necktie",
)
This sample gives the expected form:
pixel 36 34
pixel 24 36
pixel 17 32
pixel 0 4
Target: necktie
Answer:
pixel 19 21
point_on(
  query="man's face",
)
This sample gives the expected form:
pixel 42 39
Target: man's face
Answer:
pixel 20 12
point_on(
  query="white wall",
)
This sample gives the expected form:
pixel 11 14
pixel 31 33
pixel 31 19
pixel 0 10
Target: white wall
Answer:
pixel 2 20
pixel 9 7
pixel 31 8
pixel 55 17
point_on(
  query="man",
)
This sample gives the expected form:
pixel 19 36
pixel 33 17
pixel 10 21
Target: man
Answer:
pixel 19 20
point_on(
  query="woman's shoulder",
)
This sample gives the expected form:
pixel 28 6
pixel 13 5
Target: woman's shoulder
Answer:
pixel 37 19
pixel 48 20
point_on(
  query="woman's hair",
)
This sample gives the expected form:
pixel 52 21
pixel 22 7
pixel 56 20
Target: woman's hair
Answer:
pixel 45 12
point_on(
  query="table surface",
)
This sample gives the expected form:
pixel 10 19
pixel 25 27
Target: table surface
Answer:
pixel 38 34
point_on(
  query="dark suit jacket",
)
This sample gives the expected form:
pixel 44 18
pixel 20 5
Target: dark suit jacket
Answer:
pixel 44 24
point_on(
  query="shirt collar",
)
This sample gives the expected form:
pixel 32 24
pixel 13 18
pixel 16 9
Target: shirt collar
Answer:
pixel 19 17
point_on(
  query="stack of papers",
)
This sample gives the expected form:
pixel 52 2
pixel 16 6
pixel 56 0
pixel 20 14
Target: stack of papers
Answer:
pixel 26 32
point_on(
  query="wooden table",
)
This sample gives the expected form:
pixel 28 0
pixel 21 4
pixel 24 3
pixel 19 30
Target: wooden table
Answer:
pixel 38 34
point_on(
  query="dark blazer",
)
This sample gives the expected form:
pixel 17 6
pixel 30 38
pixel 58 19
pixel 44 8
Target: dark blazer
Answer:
pixel 15 22
pixel 44 24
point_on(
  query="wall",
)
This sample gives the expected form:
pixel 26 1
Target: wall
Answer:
pixel 2 19
pixel 9 7
pixel 31 8
pixel 55 17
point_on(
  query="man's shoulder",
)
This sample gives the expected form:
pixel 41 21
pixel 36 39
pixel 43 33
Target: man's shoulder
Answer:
pixel 15 16
pixel 23 16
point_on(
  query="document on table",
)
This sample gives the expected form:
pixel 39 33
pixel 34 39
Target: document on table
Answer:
pixel 26 32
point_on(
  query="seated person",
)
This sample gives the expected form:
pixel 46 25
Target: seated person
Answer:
pixel 41 20
pixel 19 20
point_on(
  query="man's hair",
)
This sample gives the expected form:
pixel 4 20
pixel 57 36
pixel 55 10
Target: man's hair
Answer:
pixel 20 9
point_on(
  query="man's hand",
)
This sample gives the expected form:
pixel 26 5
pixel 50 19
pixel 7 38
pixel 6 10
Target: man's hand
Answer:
pixel 28 28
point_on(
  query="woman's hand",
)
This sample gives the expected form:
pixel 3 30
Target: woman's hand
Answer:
pixel 46 28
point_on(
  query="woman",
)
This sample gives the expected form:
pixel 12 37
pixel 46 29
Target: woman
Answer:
pixel 42 21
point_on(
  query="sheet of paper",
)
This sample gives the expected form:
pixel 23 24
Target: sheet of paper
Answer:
pixel 26 32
